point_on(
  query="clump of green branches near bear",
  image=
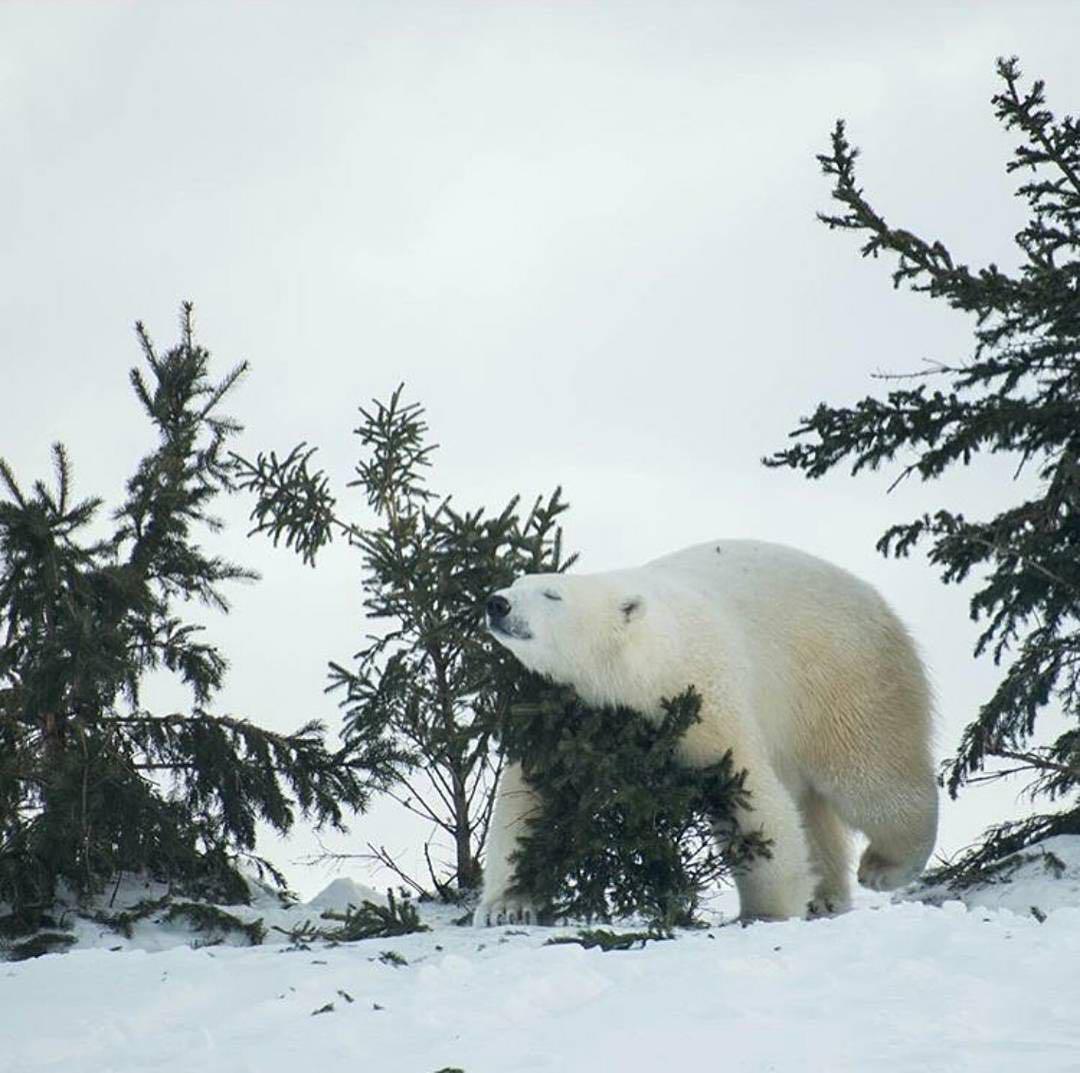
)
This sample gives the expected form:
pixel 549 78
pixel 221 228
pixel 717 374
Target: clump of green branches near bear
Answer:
pixel 625 828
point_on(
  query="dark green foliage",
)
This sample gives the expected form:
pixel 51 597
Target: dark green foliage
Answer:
pixel 422 699
pixel 86 613
pixel 12 925
pixel 124 921
pixel 999 855
pixel 200 916
pixel 591 938
pixel 300 936
pixel 370 921
pixel 625 827
pixel 215 921
pixel 44 942
pixel 1019 394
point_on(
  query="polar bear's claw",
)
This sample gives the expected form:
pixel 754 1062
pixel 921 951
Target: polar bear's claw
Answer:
pixel 507 910
pixel 827 905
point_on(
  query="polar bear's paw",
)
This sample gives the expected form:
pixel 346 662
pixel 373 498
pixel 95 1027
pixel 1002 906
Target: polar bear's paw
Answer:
pixel 506 909
pixel 877 873
pixel 827 904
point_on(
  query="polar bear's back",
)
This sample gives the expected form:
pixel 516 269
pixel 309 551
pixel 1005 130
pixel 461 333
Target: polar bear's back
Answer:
pixel 771 583
pixel 829 660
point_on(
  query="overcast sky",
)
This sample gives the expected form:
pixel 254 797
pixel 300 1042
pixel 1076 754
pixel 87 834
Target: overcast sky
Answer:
pixel 582 234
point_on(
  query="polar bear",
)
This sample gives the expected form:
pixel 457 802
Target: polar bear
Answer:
pixel 805 674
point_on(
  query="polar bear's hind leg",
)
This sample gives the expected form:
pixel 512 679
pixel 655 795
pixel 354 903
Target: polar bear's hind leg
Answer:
pixel 901 837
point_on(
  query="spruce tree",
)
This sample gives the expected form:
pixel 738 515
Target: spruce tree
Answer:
pixel 623 827
pixel 428 690
pixel 1019 394
pixel 92 784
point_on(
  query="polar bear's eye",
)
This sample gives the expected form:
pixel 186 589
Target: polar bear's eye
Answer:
pixel 552 595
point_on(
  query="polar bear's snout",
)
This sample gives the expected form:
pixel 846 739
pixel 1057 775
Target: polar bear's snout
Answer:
pixel 501 623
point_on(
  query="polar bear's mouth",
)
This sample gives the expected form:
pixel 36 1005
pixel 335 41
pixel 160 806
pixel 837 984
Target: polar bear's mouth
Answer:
pixel 514 629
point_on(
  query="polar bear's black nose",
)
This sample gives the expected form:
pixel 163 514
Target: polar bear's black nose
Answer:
pixel 498 607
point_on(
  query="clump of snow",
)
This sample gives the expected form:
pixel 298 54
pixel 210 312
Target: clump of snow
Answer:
pixel 1037 880
pixel 338 895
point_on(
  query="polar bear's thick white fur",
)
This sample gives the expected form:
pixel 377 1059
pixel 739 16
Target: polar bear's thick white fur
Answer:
pixel 805 674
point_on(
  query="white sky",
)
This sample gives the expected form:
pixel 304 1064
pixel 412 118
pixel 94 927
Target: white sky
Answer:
pixel 582 234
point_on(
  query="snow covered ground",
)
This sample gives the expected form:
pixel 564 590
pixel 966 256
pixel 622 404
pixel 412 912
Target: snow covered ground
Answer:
pixel 888 987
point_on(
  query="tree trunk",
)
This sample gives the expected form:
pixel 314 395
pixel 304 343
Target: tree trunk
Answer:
pixel 468 867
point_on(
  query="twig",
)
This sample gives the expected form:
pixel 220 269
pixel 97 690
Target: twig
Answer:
pixel 1034 760
pixel 382 855
pixel 442 888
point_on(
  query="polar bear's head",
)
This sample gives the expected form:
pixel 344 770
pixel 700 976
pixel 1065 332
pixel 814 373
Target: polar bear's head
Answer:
pixel 576 629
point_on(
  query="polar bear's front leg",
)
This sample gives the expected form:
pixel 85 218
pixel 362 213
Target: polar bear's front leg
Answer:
pixel 515 801
pixel 781 885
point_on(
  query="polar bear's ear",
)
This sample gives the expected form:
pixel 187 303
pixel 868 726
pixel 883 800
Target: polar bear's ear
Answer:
pixel 632 608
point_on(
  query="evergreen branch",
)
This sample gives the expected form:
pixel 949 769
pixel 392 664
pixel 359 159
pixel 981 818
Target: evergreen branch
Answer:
pixel 12 485
pixel 63 476
pixel 292 501
pixel 242 726
pixel 217 393
pixel 1014 109
pixel 988 290
pixel 1039 761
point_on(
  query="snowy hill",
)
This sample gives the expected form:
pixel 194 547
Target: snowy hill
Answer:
pixel 889 987
pixel 1043 877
